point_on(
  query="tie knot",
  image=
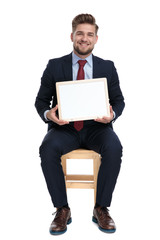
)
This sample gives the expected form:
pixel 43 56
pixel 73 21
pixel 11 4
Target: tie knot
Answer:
pixel 82 62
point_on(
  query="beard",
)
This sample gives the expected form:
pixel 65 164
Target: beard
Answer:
pixel 82 52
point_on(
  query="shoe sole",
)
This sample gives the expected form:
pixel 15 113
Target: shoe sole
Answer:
pixel 102 229
pixel 61 232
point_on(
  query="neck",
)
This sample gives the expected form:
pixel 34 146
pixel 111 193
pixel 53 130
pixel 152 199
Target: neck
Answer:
pixel 82 56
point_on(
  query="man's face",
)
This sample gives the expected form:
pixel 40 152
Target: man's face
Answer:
pixel 84 38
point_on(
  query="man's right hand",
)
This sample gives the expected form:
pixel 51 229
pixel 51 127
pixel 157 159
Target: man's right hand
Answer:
pixel 51 115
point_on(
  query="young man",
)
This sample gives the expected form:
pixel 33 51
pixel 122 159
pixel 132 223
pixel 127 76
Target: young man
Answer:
pixel 97 135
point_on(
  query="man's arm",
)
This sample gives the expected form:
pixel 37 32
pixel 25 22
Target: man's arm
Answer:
pixel 46 92
pixel 45 96
pixel 116 98
pixel 115 94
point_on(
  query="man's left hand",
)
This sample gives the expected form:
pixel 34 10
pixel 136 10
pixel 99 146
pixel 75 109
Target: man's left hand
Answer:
pixel 106 119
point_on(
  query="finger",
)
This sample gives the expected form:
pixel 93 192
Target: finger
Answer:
pixel 55 108
pixel 100 120
pixel 111 110
pixel 62 122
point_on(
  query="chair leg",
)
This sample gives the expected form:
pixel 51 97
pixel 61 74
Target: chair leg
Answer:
pixel 96 165
pixel 64 165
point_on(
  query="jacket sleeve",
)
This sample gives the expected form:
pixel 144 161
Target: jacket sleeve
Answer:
pixel 46 91
pixel 115 94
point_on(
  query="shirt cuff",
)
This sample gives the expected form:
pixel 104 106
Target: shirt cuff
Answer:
pixel 114 115
pixel 45 115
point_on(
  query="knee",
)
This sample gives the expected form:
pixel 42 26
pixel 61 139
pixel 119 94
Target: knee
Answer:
pixel 116 148
pixel 113 150
pixel 49 150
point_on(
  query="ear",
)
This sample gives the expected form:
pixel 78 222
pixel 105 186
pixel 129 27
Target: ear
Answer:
pixel 72 37
pixel 96 38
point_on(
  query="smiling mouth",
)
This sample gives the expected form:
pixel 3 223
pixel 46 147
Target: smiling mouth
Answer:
pixel 84 44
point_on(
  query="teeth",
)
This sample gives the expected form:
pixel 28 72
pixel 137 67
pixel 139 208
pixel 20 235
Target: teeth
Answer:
pixel 84 44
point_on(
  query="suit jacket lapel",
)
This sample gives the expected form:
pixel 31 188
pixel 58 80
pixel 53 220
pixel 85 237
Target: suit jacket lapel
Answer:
pixel 96 66
pixel 67 67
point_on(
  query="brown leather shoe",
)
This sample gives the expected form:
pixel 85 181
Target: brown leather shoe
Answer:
pixel 103 219
pixel 62 218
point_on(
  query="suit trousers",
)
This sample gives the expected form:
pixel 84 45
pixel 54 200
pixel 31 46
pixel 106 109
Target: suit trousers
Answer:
pixel 96 136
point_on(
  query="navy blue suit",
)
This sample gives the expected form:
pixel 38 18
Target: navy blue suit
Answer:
pixel 96 136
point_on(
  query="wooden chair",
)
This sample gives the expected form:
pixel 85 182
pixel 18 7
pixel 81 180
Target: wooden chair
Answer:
pixel 82 181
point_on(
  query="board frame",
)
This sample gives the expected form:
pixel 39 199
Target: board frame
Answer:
pixel 75 104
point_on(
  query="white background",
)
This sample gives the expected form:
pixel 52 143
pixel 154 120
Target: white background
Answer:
pixel 32 32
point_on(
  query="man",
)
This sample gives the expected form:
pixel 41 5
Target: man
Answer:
pixel 97 135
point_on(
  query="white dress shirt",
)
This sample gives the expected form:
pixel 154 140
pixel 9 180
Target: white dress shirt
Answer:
pixel 88 67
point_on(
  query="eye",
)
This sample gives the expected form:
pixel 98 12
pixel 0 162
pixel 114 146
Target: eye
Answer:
pixel 90 34
pixel 79 33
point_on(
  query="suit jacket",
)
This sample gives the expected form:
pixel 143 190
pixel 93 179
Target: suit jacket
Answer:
pixel 60 69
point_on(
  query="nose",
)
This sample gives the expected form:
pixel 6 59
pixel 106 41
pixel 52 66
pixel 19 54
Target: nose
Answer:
pixel 84 37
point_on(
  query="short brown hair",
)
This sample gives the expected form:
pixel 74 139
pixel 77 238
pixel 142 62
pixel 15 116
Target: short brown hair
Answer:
pixel 84 18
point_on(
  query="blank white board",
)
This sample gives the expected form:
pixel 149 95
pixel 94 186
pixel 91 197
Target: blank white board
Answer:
pixel 82 99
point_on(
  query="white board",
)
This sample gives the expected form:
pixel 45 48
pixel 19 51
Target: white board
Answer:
pixel 82 99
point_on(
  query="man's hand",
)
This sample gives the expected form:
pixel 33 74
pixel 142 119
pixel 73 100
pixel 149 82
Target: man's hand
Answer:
pixel 106 119
pixel 51 115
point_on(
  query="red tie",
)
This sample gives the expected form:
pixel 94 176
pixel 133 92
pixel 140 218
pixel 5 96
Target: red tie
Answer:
pixel 78 125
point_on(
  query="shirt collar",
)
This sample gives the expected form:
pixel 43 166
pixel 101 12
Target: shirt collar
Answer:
pixel 75 59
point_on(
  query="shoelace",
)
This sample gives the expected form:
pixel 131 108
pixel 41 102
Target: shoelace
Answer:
pixel 104 211
pixel 58 214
